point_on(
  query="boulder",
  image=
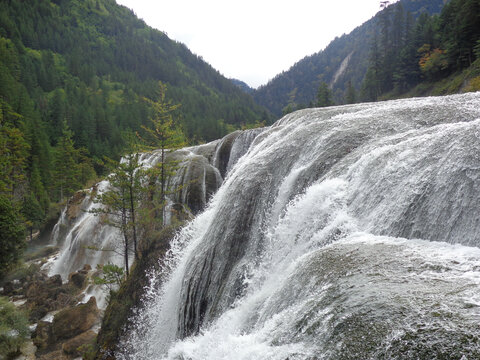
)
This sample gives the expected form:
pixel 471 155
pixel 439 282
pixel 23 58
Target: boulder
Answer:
pixel 47 294
pixel 73 321
pixel 86 269
pixel 8 288
pixel 74 205
pixel 73 346
pixel 64 299
pixel 55 355
pixel 77 279
pixel 37 312
pixel 43 337
pixel 54 281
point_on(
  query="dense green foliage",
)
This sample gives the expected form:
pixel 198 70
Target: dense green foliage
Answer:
pixel 298 86
pixel 405 54
pixel 73 78
pixel 324 95
pixel 13 328
pixel 11 234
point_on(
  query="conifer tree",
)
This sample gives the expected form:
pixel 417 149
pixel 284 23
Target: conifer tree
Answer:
pixel 13 153
pixel 67 171
pixel 351 96
pixel 121 200
pixel 12 232
pixel 324 95
pixel 32 212
pixel 165 135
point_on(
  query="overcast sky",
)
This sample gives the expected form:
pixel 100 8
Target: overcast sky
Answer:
pixel 254 40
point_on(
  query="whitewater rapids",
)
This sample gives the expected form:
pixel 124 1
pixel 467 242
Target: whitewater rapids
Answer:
pixel 350 232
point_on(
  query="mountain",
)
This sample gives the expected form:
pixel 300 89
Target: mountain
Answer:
pixel 98 41
pixel 242 85
pixel 343 61
pixel 75 80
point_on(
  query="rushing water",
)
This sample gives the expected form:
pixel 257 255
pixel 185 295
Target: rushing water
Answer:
pixel 199 175
pixel 349 232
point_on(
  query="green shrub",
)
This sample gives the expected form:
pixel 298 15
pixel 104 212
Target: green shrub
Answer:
pixel 13 328
pixel 20 272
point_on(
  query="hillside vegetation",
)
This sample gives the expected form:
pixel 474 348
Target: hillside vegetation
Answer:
pixel 74 76
pixel 391 39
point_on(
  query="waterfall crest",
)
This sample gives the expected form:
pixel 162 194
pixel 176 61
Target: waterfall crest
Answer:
pixel 198 176
pixel 345 232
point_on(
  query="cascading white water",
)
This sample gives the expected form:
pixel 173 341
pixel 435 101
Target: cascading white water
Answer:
pixel 350 232
pixel 78 231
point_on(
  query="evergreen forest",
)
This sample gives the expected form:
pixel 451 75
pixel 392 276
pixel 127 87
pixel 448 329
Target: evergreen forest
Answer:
pixel 76 77
pixel 402 51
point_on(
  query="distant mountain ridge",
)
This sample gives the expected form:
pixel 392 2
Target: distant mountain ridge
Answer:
pixel 243 85
pixel 344 60
pixel 77 81
pixel 99 40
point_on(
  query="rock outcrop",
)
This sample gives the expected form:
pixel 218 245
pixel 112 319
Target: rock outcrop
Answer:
pixel 73 321
pixel 70 329
pixel 63 326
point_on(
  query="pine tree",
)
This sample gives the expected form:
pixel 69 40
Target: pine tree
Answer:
pixel 13 153
pixel 67 169
pixel 324 95
pixel 121 201
pixel 351 96
pixel 32 212
pixel 164 135
pixel 12 232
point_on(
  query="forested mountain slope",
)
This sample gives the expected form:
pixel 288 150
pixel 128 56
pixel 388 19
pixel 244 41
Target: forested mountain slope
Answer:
pixel 74 75
pixel 344 61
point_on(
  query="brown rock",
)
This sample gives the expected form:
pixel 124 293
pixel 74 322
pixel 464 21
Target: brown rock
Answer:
pixel 43 335
pixel 46 294
pixel 37 312
pixel 86 269
pixel 8 288
pixel 54 281
pixel 72 346
pixel 74 204
pixel 77 279
pixel 73 321
pixel 63 300
pixel 55 355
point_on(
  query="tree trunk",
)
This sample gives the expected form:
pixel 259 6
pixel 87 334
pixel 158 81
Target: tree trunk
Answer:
pixel 162 182
pixel 134 227
pixel 125 237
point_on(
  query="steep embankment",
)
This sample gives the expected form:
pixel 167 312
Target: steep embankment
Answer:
pixel 298 86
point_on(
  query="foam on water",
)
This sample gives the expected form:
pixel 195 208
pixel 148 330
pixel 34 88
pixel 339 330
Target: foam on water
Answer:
pixel 346 232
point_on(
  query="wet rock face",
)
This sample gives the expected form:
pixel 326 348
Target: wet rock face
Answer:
pixel 74 205
pixel 43 338
pixel 73 321
pixel 46 294
pixel 77 279
pixel 70 329
pixel 72 346
pixel 223 152
pixel 55 355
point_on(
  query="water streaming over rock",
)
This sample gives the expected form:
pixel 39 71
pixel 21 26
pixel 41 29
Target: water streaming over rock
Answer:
pixel 349 232
pixel 197 177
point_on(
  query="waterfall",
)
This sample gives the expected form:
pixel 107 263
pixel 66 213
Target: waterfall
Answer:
pixel 350 232
pixel 197 177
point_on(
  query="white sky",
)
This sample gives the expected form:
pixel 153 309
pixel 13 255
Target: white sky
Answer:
pixel 254 40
